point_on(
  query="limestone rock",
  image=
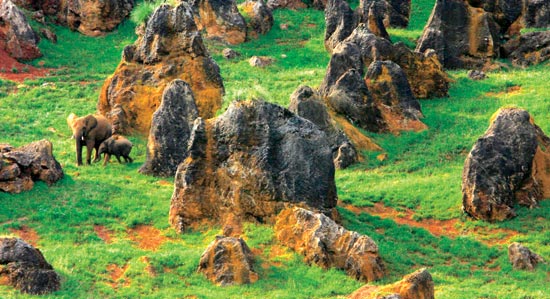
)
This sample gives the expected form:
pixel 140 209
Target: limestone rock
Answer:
pixel 170 130
pixel 228 261
pixel 536 14
pixel 20 166
pixel 528 49
pixel 507 165
pixel 220 19
pixel 230 53
pixel 170 47
pixel 260 61
pixel 399 13
pixel 306 103
pixel 252 161
pixel 290 4
pixel 522 258
pixel 340 23
pixel 477 75
pixel 16 35
pixel 417 285
pixel 26 268
pixel 327 244
pixel 260 17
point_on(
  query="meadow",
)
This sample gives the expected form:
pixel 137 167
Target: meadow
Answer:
pixel 106 231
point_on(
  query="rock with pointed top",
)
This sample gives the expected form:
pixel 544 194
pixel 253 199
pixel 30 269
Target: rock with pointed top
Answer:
pixel 16 35
pixel 340 22
pixel 220 19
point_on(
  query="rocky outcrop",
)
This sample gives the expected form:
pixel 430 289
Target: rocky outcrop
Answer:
pixel 170 130
pixel 528 49
pixel 306 103
pixel 260 17
pixel 20 167
pixel 507 165
pixel 417 285
pixel 290 4
pixel 522 258
pixel 220 19
pixel 16 35
pixel 536 14
pixel 26 268
pixel 252 161
pixel 393 13
pixel 228 261
pixel 327 244
pixel 170 47
pixel 340 23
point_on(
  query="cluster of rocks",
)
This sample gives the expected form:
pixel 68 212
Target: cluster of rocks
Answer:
pixel 17 38
pixel 26 268
pixel 508 165
pixel 468 34
pixel 20 167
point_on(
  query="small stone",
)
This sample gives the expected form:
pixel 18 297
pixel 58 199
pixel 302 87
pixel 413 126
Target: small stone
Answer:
pixel 522 258
pixel 230 53
pixel 260 61
pixel 477 75
pixel 49 35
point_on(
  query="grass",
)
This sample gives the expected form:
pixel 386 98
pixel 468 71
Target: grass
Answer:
pixel 422 173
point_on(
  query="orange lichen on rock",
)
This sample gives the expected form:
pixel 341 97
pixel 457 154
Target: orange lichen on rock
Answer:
pixel 221 19
pixel 417 285
pixel 359 140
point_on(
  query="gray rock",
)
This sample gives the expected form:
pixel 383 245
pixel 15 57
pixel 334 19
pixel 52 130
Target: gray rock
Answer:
pixel 528 49
pixel 260 61
pixel 49 35
pixel 220 19
pixel 340 22
pixel 522 258
pixel 260 17
pixel 537 13
pixel 477 75
pixel 230 53
pixel 17 38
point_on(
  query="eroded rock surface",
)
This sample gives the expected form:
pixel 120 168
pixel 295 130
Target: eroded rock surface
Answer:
pixel 26 268
pixel 340 23
pixel 228 261
pixel 20 167
pixel 170 130
pixel 417 285
pixel 260 17
pixel 169 47
pixel 507 165
pixel 16 35
pixel 290 4
pixel 252 161
pixel 220 19
pixel 528 49
pixel 327 244
pixel 522 258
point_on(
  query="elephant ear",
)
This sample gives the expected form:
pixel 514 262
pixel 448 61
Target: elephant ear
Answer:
pixel 71 119
pixel 91 122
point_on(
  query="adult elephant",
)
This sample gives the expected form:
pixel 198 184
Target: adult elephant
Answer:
pixel 91 131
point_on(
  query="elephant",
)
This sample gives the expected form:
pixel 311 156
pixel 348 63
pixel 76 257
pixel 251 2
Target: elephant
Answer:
pixel 116 145
pixel 91 131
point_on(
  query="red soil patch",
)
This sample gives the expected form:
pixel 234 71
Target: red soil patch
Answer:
pixel 103 233
pixel 451 228
pixel 7 64
pixel 165 183
pixel 509 90
pixel 26 233
pixel 147 237
pixel 116 273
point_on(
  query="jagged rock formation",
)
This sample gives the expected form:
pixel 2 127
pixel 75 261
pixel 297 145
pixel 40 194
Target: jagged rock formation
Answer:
pixel 528 49
pixel 290 4
pixel 170 130
pixel 507 165
pixel 26 268
pixel 306 103
pixel 327 244
pixel 220 19
pixel 522 258
pixel 259 15
pixel 252 161
pixel 169 48
pixel 16 35
pixel 417 285
pixel 228 261
pixel 19 167
pixel 393 13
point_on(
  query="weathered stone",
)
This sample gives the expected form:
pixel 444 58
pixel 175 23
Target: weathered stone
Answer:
pixel 230 53
pixel 228 261
pixel 252 161
pixel 26 268
pixel 290 4
pixel 399 13
pixel 260 17
pixel 340 22
pixel 306 103
pixel 417 285
pixel 536 14
pixel 392 13
pixel 169 48
pixel 327 244
pixel 16 35
pixel 49 35
pixel 522 258
pixel 528 49
pixel 220 19
pixel 170 130
pixel 507 165
pixel 260 61
pixel 477 75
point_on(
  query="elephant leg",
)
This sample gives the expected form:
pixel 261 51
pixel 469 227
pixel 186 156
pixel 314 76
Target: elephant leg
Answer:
pixel 106 159
pixel 118 158
pixel 89 148
pixel 128 159
pixel 97 157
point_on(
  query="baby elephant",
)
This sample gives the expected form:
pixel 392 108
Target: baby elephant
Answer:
pixel 118 146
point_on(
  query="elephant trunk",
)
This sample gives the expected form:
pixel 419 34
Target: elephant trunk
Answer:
pixel 78 140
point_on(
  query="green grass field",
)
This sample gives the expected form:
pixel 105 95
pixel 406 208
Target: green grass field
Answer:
pixel 421 177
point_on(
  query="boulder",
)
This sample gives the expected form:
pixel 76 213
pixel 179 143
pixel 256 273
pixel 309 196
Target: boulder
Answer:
pixel 477 75
pixel 536 14
pixel 26 268
pixel 16 35
pixel 528 49
pixel 220 19
pixel 306 103
pixel 417 285
pixel 507 165
pixel 251 162
pixel 49 35
pixel 522 258
pixel 290 4
pixel 19 167
pixel 93 17
pixel 340 23
pixel 399 13
pixel 230 53
pixel 170 130
pixel 260 61
pixel 260 17
pixel 169 47
pixel 228 261
pixel 327 244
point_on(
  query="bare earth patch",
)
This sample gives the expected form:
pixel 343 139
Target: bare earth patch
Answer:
pixel 8 64
pixel 104 233
pixel 148 266
pixel 116 273
pixel 26 233
pixel 147 237
pixel 511 90
pixel 450 228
